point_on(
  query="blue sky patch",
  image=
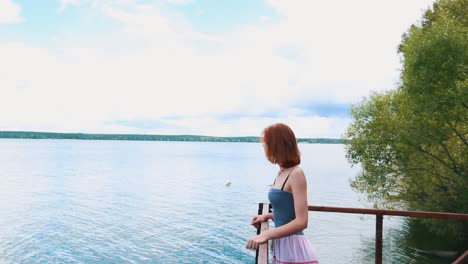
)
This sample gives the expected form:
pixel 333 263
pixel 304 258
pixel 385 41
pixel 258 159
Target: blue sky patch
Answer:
pixel 43 20
pixel 213 16
pixel 326 109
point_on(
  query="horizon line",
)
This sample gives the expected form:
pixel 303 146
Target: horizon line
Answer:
pixel 45 133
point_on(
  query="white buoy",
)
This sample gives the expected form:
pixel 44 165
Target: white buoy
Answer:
pixel 227 184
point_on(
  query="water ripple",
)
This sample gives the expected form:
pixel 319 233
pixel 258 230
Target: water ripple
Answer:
pixel 161 202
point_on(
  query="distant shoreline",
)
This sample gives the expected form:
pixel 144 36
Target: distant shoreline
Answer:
pixel 141 137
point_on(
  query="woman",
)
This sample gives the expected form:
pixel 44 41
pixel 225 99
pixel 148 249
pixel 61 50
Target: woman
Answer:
pixel 288 197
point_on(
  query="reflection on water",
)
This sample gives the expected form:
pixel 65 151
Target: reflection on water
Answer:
pixel 402 244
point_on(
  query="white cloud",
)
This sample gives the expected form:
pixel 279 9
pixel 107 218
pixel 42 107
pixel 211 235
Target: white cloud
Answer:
pixel 70 2
pixel 158 66
pixel 65 3
pixel 350 47
pixel 10 12
pixel 304 126
pixel 179 2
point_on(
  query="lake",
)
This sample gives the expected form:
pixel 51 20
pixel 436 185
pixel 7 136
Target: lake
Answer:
pixel 72 201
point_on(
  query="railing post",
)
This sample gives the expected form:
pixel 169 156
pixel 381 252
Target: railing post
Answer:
pixel 378 238
pixel 261 256
pixel 259 212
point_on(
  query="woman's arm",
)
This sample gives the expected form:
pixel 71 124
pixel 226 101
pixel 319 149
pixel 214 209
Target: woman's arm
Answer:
pixel 298 184
pixel 262 218
pixel 258 219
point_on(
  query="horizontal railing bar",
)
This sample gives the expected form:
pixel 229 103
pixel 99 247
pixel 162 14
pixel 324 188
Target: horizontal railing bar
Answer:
pixel 462 259
pixel 417 214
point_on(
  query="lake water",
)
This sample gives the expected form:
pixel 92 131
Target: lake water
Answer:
pixel 71 201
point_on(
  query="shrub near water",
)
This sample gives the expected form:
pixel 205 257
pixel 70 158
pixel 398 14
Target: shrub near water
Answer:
pixel 412 142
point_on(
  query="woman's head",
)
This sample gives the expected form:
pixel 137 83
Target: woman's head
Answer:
pixel 280 145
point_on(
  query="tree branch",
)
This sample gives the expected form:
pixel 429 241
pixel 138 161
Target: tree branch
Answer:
pixel 458 133
pixel 427 170
pixel 455 167
pixel 435 157
pixel 440 182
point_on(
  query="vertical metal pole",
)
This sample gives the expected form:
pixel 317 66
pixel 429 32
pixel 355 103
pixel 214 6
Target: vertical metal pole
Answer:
pixel 260 209
pixel 263 248
pixel 378 238
pixel 261 254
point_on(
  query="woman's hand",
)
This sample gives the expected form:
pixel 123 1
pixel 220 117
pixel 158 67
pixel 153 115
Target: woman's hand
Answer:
pixel 255 241
pixel 257 220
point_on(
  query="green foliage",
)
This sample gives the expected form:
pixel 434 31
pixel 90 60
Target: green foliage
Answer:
pixel 412 142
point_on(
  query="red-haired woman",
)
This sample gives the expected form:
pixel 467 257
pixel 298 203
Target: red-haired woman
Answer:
pixel 288 197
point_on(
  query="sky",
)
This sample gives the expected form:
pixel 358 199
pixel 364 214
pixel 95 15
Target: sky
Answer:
pixel 198 67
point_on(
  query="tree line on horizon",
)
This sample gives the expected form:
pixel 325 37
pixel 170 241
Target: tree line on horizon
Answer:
pixel 141 137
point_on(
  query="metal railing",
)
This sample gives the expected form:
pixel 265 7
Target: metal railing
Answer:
pixel 262 251
pixel 264 208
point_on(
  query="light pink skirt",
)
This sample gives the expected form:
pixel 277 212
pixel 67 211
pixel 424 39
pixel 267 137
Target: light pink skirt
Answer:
pixel 294 249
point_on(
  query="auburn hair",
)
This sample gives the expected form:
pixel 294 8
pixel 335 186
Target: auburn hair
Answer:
pixel 281 145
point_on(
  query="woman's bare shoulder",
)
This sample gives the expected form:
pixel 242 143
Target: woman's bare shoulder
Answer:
pixel 298 174
pixel 298 180
pixel 298 170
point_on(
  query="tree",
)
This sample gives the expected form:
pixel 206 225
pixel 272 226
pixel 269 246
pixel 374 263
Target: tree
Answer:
pixel 412 142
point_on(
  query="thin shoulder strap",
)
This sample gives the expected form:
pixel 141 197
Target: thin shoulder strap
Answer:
pixel 284 183
pixel 277 176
